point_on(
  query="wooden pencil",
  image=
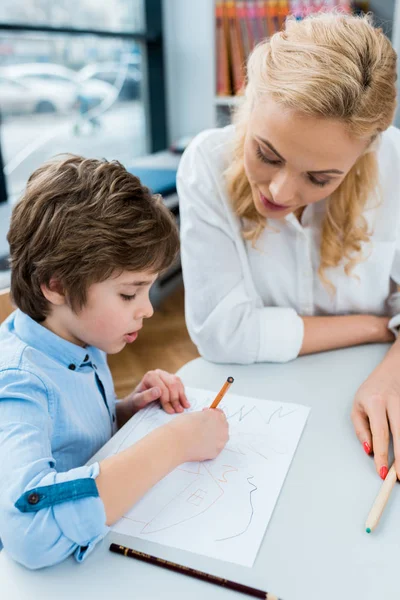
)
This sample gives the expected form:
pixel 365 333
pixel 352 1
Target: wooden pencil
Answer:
pixel 222 392
pixel 171 566
pixel 381 500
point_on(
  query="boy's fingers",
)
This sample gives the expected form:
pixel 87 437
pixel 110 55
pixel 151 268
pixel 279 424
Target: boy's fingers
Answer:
pixel 182 396
pixel 141 399
pixel 172 396
pixel 171 383
pixel 165 397
pixel 183 400
pixel 175 399
pixel 168 408
pixel 164 392
pixel 362 429
pixel 380 438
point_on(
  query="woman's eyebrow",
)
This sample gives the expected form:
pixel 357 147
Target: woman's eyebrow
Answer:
pixel 327 171
pixel 270 146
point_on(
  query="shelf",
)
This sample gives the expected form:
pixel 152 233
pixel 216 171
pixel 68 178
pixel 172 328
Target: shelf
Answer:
pixel 227 100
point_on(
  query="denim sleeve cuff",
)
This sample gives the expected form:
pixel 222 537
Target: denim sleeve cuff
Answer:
pixel 82 521
pixel 75 504
pixel 49 495
pixel 82 552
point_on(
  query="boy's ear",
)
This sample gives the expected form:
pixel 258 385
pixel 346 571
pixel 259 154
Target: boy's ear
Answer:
pixel 54 292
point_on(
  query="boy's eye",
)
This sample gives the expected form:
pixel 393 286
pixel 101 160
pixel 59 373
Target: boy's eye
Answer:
pixel 127 298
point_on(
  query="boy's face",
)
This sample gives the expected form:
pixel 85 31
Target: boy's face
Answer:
pixel 112 316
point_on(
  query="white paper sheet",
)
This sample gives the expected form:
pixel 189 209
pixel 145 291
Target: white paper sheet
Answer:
pixel 219 508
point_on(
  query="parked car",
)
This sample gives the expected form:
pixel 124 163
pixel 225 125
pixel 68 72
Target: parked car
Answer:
pixel 53 81
pixel 21 97
pixel 110 72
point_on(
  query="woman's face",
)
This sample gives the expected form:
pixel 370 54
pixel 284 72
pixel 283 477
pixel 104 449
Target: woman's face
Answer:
pixel 292 160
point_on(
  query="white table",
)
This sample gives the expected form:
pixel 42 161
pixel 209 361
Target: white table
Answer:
pixel 315 547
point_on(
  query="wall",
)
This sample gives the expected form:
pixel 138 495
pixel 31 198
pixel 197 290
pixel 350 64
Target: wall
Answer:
pixel 189 64
pixel 383 11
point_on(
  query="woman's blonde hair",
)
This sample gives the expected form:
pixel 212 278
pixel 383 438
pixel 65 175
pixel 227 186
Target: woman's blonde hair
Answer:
pixel 328 65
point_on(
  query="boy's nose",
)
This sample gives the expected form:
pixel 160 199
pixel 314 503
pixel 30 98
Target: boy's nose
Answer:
pixel 146 311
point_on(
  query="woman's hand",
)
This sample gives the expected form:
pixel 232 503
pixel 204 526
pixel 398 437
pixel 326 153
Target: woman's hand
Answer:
pixel 376 412
pixel 159 385
pixel 327 333
pixel 385 335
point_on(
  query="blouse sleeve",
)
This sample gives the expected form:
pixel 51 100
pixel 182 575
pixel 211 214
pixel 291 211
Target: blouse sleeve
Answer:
pixel 225 316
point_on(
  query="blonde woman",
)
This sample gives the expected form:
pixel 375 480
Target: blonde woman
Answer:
pixel 291 216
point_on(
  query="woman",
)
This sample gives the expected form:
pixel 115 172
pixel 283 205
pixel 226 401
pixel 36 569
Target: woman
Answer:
pixel 290 217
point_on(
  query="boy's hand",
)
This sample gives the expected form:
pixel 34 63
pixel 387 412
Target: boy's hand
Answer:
pixel 163 386
pixel 201 434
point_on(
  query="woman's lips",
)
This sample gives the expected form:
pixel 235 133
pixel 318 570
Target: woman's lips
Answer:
pixel 271 205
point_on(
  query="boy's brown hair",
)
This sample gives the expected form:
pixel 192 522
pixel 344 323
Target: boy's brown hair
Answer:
pixel 79 221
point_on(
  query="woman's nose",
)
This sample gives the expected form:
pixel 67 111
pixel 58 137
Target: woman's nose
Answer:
pixel 283 189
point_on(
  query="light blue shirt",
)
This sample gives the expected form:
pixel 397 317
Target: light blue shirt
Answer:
pixel 57 408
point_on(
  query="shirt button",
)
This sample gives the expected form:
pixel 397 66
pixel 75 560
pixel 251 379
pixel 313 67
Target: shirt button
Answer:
pixel 72 367
pixel 33 498
pixel 86 358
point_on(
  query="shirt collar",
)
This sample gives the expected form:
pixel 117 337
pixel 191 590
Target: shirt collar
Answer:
pixel 34 334
pixel 310 214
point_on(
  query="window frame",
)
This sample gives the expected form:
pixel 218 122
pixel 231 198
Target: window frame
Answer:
pixel 153 71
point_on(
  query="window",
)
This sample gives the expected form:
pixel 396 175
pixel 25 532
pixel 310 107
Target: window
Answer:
pixel 116 16
pixel 78 76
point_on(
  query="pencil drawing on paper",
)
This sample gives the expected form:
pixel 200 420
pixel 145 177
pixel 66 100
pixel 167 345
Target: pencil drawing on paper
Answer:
pixel 219 507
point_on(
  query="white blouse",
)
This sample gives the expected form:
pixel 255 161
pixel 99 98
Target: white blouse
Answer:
pixel 242 302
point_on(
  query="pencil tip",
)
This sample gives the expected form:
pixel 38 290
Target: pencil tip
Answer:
pixel 368 530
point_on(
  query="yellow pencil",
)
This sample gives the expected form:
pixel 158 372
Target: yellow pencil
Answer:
pixel 222 392
pixel 381 500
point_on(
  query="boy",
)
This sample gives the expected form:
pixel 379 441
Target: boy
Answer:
pixel 87 241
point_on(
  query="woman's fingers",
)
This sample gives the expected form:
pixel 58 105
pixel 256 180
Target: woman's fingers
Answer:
pixel 380 434
pixel 393 412
pixel 362 428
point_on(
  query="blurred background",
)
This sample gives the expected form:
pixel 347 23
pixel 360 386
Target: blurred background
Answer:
pixel 62 91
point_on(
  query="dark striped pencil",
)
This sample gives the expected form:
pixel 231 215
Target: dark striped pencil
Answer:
pixel 171 566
